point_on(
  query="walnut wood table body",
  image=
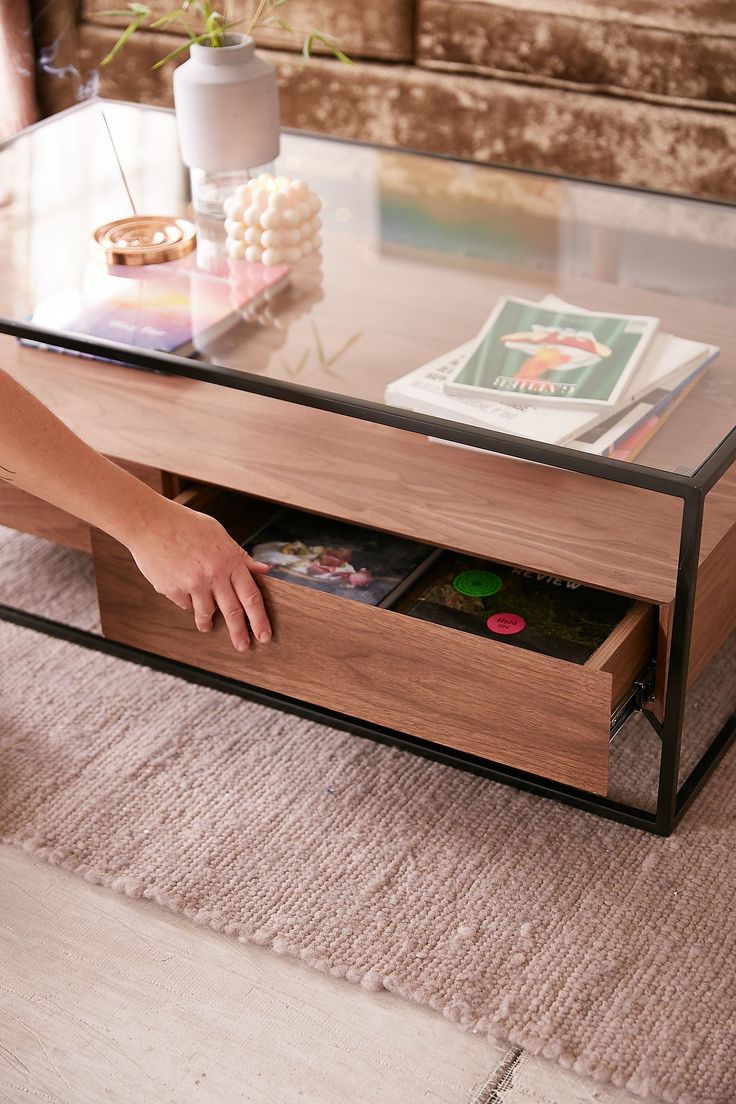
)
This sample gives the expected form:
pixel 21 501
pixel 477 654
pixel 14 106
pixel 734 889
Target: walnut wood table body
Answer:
pixel 258 421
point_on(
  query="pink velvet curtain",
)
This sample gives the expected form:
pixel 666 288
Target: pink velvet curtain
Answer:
pixel 17 84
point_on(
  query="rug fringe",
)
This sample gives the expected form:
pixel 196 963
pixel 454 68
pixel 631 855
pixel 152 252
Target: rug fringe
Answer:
pixel 499 1080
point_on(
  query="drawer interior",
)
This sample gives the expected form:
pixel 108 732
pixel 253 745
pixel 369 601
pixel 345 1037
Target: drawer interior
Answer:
pixel 621 635
pixel 377 661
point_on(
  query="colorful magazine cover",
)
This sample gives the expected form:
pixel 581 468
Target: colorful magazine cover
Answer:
pixel 526 609
pixel 571 358
pixel 336 557
pixel 171 307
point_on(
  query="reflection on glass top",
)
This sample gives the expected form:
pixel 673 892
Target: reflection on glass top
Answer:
pixel 415 253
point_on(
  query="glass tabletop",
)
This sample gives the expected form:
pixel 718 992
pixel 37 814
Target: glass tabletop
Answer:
pixel 416 253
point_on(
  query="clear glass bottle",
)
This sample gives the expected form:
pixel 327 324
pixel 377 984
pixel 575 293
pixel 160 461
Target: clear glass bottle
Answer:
pixel 211 187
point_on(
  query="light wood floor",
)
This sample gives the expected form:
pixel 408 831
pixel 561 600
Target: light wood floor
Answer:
pixel 106 999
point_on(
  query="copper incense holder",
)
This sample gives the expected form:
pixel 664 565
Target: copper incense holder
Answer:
pixel 145 239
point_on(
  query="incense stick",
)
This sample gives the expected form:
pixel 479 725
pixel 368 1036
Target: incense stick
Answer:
pixel 120 167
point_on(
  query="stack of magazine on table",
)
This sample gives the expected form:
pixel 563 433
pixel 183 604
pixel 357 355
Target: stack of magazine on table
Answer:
pixel 524 609
pixel 558 373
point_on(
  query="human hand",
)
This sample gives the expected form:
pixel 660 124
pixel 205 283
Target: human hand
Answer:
pixel 191 559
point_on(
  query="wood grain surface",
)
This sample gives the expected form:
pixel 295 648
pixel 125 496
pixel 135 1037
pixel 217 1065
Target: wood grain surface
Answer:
pixel 590 530
pixel 714 614
pixel 664 634
pixel 719 512
pixel 528 711
pixel 714 617
pixel 628 649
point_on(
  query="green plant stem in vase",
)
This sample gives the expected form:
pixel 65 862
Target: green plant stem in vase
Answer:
pixel 211 27
pixel 225 95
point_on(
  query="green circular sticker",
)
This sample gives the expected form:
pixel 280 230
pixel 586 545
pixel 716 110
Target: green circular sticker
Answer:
pixel 477 584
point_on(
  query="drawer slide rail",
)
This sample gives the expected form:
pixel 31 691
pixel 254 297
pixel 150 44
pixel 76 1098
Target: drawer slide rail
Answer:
pixel 641 692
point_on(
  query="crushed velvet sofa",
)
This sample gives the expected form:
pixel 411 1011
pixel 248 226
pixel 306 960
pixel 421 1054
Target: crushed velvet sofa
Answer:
pixel 639 92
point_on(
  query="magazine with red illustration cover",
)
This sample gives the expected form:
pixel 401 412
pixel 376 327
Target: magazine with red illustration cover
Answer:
pixel 555 355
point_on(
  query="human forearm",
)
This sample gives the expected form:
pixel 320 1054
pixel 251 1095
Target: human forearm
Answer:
pixel 41 455
pixel 185 555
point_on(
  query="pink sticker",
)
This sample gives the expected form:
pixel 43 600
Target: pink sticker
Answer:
pixel 506 623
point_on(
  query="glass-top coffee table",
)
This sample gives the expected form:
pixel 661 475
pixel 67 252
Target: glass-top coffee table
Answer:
pixel 281 400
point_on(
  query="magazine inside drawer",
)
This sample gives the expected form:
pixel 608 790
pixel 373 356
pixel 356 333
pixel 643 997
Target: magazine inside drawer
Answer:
pixel 538 713
pixel 535 612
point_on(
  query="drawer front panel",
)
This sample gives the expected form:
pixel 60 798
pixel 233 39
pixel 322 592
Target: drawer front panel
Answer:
pixel 527 711
pixel 563 523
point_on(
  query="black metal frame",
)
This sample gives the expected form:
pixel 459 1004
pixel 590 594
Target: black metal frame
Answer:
pixel 672 800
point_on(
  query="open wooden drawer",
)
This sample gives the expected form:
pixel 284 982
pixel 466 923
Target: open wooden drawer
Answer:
pixel 529 711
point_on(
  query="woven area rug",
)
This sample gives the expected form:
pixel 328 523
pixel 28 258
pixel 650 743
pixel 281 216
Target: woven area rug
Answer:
pixel 606 949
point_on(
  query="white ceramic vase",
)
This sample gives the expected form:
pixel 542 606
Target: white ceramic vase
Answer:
pixel 227 115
